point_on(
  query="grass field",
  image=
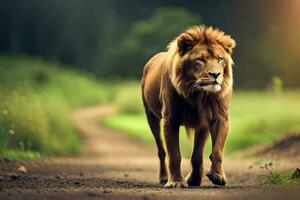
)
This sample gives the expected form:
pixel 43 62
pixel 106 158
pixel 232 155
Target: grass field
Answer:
pixel 257 117
pixel 37 98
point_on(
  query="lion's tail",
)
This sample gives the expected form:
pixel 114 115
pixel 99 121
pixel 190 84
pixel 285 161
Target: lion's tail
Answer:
pixel 189 132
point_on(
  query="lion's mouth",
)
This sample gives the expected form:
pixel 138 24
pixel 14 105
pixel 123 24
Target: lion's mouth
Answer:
pixel 209 86
pixel 202 84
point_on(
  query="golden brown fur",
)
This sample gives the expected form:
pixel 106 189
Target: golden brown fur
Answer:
pixel 190 85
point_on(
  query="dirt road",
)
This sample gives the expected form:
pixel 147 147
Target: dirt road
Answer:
pixel 116 166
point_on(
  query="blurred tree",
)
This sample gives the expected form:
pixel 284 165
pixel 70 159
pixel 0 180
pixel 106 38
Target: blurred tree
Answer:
pixel 147 37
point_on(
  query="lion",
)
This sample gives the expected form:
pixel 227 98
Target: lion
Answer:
pixel 190 85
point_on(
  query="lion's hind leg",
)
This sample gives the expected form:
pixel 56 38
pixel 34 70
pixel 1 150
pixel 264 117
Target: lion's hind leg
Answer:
pixel 154 124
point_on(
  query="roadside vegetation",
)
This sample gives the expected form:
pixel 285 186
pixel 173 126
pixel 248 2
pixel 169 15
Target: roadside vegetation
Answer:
pixel 257 117
pixel 281 178
pixel 37 98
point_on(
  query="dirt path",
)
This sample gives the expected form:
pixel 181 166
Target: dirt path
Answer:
pixel 116 166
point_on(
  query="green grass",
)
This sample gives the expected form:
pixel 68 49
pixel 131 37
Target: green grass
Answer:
pixel 136 125
pixel 283 178
pixel 257 117
pixel 37 98
pixel 15 154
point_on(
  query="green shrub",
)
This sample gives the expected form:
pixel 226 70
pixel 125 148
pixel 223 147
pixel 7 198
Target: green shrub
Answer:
pixel 23 121
pixel 128 98
pixel 37 98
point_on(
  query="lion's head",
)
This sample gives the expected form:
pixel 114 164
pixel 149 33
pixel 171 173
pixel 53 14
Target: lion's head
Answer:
pixel 200 59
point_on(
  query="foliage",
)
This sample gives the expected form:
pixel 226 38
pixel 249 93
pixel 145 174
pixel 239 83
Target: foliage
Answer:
pixel 147 37
pixel 277 84
pixel 128 98
pixel 116 38
pixel 36 99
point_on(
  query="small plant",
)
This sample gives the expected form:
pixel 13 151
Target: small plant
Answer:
pixel 276 178
pixel 273 176
pixel 296 174
pixel 277 84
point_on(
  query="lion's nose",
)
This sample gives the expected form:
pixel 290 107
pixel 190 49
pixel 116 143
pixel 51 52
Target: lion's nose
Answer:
pixel 215 75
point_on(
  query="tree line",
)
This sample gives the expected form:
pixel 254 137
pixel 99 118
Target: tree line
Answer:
pixel 115 38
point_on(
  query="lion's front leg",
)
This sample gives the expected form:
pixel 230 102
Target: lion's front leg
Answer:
pixel 171 131
pixel 195 176
pixel 219 132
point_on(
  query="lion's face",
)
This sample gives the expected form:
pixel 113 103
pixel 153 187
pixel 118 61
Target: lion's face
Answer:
pixel 205 67
pixel 202 61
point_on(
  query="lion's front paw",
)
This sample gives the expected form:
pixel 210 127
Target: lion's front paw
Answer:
pixel 217 179
pixel 163 179
pixel 175 184
pixel 193 180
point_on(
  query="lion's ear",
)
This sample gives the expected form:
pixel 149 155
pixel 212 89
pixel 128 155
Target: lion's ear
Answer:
pixel 228 43
pixel 185 43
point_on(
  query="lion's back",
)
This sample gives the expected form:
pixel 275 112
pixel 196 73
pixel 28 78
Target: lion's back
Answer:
pixel 151 82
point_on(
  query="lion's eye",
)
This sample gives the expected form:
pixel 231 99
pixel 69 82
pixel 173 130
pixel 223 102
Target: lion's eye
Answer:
pixel 201 59
pixel 220 59
pixel 199 63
